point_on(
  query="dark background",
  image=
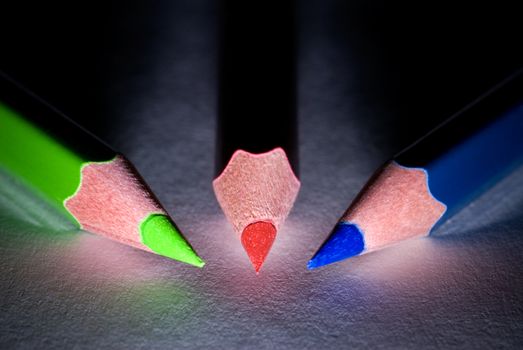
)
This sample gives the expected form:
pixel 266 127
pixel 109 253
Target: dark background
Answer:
pixel 372 77
pixel 413 63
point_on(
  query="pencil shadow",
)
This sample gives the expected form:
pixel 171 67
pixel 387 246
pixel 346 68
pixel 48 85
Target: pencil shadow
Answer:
pixel 499 205
pixel 495 231
pixel 20 208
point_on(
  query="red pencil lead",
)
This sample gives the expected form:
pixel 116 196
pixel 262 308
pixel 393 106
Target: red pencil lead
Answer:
pixel 257 239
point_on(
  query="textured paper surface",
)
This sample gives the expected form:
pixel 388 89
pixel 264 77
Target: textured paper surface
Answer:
pixel 461 289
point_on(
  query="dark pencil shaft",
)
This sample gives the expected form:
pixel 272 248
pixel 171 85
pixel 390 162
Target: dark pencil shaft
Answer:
pixel 257 97
pixel 465 123
pixel 51 121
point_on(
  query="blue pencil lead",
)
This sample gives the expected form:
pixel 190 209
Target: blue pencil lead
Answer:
pixel 345 241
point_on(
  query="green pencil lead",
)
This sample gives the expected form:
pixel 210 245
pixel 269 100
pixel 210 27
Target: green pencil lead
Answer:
pixel 160 234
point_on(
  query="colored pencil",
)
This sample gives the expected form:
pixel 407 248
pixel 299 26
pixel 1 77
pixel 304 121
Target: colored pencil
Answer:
pixel 433 179
pixel 81 177
pixel 256 182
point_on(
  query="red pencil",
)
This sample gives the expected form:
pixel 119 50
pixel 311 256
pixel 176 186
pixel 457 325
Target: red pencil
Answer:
pixel 256 193
pixel 256 182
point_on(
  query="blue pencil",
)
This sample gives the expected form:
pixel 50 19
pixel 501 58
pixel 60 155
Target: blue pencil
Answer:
pixel 427 183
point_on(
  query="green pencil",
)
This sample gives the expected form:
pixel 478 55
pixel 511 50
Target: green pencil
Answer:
pixel 94 186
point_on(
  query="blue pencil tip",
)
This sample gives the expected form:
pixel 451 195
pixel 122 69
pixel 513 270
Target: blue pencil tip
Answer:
pixel 345 241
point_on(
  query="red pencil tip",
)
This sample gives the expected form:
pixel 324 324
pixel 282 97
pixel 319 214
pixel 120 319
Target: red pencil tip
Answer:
pixel 257 239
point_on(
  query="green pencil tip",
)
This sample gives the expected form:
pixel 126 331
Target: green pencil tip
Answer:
pixel 162 237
